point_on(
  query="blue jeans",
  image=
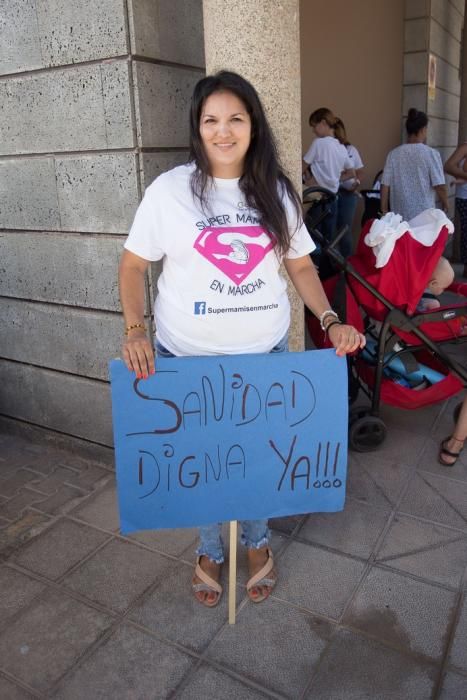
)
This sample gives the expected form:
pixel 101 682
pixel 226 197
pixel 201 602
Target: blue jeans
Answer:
pixel 255 533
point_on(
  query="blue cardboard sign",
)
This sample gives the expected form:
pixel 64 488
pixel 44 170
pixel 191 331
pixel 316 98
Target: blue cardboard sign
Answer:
pixel 234 437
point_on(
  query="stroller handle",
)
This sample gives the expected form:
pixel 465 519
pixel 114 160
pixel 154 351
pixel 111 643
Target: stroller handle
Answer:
pixel 319 190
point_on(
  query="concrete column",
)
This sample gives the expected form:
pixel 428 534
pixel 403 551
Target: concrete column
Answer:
pixel 261 41
pixel 93 105
pixel 434 27
pixel 463 109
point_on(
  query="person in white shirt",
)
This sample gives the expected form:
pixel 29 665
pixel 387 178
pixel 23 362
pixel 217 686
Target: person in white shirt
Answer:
pixel 222 225
pixel 326 163
pixel 413 173
pixel 348 190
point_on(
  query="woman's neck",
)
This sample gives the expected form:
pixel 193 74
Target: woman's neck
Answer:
pixel 415 138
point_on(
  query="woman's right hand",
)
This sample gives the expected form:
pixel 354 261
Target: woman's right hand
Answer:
pixel 138 354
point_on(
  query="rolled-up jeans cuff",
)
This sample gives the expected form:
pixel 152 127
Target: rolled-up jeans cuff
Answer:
pixel 201 552
pixel 263 542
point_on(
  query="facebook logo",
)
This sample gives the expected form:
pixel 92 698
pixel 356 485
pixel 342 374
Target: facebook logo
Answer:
pixel 200 308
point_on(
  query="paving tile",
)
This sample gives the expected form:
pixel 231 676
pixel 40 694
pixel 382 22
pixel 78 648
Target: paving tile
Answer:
pixel 117 574
pixel 355 530
pixel 46 463
pixel 130 664
pixel 426 550
pixel 273 644
pixel 409 614
pixel 429 461
pixel 454 687
pixel 21 531
pixel 379 483
pixel 173 542
pixel 11 485
pixel 62 501
pixel 207 682
pixel 356 668
pixel 59 548
pixel 47 639
pixel 89 477
pixel 438 499
pixel 14 507
pixel 318 580
pixel 286 525
pixel 172 611
pixel 101 509
pixel 16 591
pixel 421 421
pixel 50 484
pixel 10 691
pixel 13 459
pixel 401 445
pixel 458 655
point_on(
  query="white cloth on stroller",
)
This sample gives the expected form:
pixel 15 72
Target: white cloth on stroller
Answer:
pixel 424 227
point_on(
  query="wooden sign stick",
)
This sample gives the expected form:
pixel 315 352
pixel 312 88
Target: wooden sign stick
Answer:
pixel 232 571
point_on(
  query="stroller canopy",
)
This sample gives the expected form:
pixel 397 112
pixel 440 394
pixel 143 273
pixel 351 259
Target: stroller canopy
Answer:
pixel 403 278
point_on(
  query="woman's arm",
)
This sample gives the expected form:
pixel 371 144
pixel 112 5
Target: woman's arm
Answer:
pixel 348 174
pixel 451 166
pixel 442 193
pixel 305 279
pixel 384 199
pixel 137 350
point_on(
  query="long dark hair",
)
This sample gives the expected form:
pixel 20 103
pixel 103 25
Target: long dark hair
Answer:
pixel 263 181
pixel 416 121
pixel 340 132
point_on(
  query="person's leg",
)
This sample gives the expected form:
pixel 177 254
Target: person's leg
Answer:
pixel 210 558
pixel 255 536
pixel 346 206
pixel 453 445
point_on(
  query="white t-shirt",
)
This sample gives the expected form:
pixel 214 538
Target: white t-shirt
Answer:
pixel 357 163
pixel 220 291
pixel 412 171
pixel 327 158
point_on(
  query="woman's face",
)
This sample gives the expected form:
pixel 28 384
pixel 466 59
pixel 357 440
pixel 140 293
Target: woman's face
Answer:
pixel 225 130
pixel 322 128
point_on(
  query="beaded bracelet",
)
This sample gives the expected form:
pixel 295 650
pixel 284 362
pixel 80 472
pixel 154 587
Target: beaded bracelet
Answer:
pixel 134 326
pixel 325 314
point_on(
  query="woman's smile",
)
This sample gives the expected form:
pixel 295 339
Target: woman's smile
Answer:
pixel 225 130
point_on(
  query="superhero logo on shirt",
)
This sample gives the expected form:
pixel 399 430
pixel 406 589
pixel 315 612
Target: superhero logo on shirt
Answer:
pixel 234 251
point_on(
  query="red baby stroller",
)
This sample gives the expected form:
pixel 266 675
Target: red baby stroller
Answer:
pixel 405 363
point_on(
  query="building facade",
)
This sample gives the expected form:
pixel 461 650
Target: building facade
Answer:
pixel 93 105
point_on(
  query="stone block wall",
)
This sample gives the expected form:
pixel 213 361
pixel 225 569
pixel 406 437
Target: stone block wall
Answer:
pixel 434 27
pixel 93 106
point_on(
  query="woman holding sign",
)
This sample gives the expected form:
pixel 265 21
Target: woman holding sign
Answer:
pixel 222 225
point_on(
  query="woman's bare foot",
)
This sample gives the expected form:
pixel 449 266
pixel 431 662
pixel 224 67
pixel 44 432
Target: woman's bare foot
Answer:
pixel 450 451
pixel 257 559
pixel 209 596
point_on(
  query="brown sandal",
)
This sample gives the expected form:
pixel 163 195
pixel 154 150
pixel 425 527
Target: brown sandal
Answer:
pixel 261 579
pixel 444 450
pixel 208 585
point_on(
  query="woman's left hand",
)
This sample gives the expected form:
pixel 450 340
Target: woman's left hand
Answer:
pixel 345 338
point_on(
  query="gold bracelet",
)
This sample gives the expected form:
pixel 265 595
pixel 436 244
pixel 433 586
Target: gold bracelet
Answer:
pixel 134 326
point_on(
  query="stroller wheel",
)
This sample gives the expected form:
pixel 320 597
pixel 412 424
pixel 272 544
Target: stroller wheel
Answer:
pixel 367 433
